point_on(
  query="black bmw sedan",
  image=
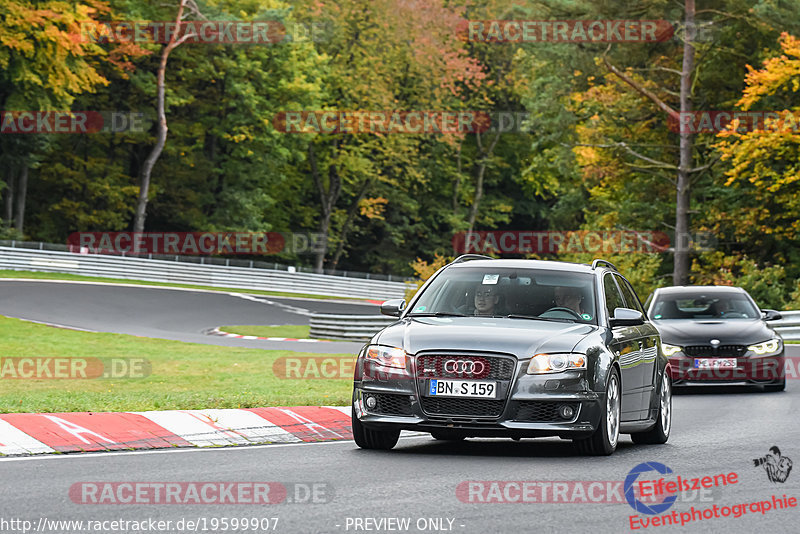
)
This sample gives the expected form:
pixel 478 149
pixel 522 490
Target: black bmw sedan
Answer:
pixel 717 335
pixel 516 348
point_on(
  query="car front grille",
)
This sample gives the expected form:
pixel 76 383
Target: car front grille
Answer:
pixel 709 351
pixel 390 404
pixel 462 407
pixel 494 367
pixel 489 367
pixel 544 412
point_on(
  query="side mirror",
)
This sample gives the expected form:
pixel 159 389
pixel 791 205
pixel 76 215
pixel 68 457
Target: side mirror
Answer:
pixel 626 317
pixel 771 315
pixel 393 307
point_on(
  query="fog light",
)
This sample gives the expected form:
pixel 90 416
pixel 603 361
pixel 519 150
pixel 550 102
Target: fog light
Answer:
pixel 566 412
pixel 371 402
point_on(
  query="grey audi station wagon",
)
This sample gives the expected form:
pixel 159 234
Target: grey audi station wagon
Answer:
pixel 518 349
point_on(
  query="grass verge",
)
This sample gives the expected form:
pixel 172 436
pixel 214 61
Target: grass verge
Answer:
pixel 297 331
pixel 184 375
pixel 35 275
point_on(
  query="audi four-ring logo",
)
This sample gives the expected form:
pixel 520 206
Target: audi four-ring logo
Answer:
pixel 465 367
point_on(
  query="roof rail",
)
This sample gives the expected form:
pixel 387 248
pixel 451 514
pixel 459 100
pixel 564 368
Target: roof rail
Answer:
pixel 468 257
pixel 597 262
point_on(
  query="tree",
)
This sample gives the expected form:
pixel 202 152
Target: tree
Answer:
pixel 43 66
pixel 175 40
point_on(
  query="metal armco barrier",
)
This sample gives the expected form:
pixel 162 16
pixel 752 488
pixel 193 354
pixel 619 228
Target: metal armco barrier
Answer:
pixel 132 268
pixel 363 327
pixel 789 326
pixel 347 327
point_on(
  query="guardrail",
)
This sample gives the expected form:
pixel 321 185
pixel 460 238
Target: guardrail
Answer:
pixel 199 273
pixel 347 327
pixel 788 326
pixel 363 327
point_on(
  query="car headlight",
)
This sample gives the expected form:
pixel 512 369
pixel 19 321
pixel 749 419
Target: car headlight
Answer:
pixel 387 356
pixel 555 363
pixel 767 347
pixel 669 350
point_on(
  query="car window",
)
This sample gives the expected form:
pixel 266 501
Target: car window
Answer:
pixel 696 305
pixel 631 299
pixel 613 296
pixel 501 291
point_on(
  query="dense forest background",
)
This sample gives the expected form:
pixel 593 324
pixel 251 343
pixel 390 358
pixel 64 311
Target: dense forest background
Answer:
pixel 596 152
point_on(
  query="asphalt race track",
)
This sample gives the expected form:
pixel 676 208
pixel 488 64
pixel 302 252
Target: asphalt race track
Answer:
pixel 714 433
pixel 182 315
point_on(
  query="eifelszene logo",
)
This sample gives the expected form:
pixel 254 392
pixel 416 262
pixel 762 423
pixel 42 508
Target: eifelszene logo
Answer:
pixel 630 485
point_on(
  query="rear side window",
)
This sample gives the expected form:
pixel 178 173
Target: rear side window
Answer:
pixel 613 296
pixel 630 295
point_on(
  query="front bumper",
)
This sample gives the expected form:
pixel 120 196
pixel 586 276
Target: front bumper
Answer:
pixel 526 406
pixel 749 370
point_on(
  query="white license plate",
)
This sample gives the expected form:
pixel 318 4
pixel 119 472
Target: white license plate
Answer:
pixel 462 388
pixel 714 363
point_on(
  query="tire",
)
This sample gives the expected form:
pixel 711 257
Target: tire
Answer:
pixel 776 387
pixel 659 434
pixel 604 440
pixel 367 438
pixel 446 436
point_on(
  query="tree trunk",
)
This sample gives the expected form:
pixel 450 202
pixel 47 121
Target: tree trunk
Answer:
pixel 351 215
pixel 457 183
pixel 480 172
pixel 161 139
pixel 328 198
pixel 8 214
pixel 680 274
pixel 22 192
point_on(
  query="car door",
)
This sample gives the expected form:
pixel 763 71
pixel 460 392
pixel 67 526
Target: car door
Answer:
pixel 625 345
pixel 648 346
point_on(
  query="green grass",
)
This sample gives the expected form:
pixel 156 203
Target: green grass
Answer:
pixel 300 331
pixel 184 375
pixel 35 275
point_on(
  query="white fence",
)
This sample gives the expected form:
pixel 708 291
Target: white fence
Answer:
pixel 348 327
pixel 183 272
pixel 788 326
pixel 363 327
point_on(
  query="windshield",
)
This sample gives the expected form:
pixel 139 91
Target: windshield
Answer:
pixel 699 306
pixel 501 292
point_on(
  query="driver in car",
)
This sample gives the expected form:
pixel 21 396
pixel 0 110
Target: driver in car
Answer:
pixel 568 297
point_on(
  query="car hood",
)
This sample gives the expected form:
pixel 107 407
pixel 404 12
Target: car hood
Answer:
pixel 729 332
pixel 521 337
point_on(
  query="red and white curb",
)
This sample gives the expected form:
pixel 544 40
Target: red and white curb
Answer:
pixel 41 433
pixel 218 332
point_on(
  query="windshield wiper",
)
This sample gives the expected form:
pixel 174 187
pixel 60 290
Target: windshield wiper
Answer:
pixel 438 314
pixel 537 318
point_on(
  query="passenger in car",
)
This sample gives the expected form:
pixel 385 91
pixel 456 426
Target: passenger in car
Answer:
pixel 486 299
